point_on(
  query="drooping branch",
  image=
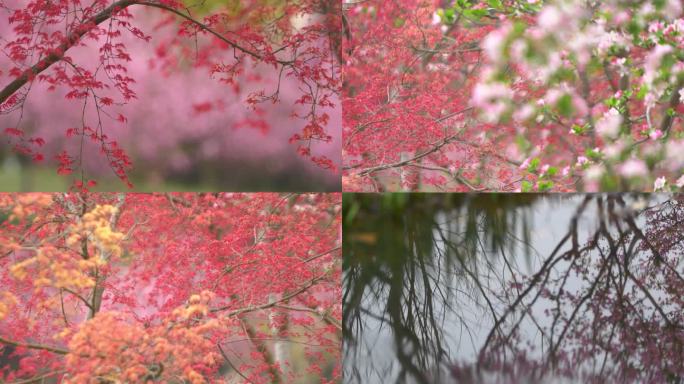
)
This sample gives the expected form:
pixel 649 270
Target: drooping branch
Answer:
pixel 74 37
pixel 58 54
pixel 225 357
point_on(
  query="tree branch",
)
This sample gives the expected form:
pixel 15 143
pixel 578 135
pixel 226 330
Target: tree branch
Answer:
pixel 312 258
pixel 35 346
pixel 286 297
pixel 225 357
pixel 38 379
pixel 58 54
pixel 74 37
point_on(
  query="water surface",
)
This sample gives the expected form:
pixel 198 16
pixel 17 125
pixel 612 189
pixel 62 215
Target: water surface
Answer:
pixel 513 288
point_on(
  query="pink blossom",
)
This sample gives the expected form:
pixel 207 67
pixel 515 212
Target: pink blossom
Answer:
pixel 581 160
pixel 491 97
pixel 653 61
pixel 545 169
pixel 659 184
pixel 673 9
pixel 525 163
pixel 633 168
pixel 550 18
pixel 523 113
pixel 494 42
pixel 680 181
pixel 656 134
pixel 609 124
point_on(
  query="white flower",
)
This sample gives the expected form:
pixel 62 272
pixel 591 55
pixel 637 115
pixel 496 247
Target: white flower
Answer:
pixel 493 43
pixel 614 150
pixel 593 173
pixel 550 18
pixel 680 181
pixel 609 124
pixel 659 184
pixel 436 19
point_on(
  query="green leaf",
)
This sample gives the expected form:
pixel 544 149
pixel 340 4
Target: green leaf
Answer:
pixel 534 164
pixel 564 105
pixel 496 4
pixel 592 154
pixel 545 185
pixel 523 144
pixel 552 171
pixel 577 129
pixel 642 92
pixel 525 186
pixel 475 14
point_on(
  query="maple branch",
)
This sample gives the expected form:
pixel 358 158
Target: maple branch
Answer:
pixel 58 54
pixel 456 176
pixel 74 37
pixel 205 28
pixel 83 299
pixel 35 346
pixel 312 258
pixel 38 378
pixel 324 316
pixel 225 357
pixel 435 147
pixel 270 304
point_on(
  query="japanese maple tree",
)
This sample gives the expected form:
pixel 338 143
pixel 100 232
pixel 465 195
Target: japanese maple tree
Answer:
pixel 172 288
pixel 513 95
pixel 297 40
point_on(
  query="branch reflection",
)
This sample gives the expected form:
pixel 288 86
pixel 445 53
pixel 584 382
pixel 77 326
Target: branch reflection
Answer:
pixel 513 288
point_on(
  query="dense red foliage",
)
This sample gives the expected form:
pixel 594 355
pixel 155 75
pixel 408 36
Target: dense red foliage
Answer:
pixel 511 95
pixel 170 288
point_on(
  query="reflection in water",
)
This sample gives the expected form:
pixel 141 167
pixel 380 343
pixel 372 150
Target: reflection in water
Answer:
pixel 513 288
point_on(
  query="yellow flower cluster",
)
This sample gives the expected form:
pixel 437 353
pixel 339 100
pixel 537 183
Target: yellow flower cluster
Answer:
pixel 7 302
pixel 96 226
pixel 129 351
pixel 198 306
pixel 52 268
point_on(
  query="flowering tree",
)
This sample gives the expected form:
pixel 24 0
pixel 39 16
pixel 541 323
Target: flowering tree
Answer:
pixel 296 40
pixel 174 288
pixel 513 95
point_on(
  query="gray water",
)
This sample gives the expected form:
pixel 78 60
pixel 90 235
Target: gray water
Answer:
pixel 425 277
